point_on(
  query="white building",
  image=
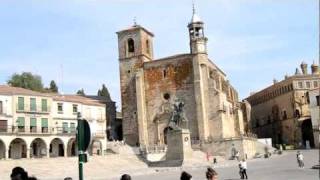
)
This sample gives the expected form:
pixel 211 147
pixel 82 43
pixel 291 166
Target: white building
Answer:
pixel 34 124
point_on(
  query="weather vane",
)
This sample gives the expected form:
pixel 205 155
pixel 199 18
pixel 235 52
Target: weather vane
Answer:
pixel 135 20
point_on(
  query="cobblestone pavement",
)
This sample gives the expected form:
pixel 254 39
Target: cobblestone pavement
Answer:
pixel 111 167
pixel 282 167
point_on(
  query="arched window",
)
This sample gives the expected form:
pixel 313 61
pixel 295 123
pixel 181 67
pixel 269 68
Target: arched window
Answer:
pixel 148 46
pixel 297 113
pixel 164 73
pixel 130 45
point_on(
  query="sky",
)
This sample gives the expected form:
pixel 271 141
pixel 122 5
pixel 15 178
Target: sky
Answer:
pixel 74 42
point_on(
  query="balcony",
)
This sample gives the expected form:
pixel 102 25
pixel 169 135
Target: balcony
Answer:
pixel 26 108
pixel 24 130
pixel 66 130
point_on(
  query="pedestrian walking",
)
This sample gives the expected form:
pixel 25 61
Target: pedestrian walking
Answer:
pixel 211 174
pixel 237 155
pixel 243 165
pixel 240 171
pixel 208 156
pixel 300 160
pixel 215 161
pixel 185 176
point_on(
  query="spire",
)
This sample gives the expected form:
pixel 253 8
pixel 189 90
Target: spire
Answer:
pixel 193 8
pixel 135 21
pixel 195 18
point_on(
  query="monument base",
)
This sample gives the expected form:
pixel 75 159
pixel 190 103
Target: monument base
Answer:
pixel 178 145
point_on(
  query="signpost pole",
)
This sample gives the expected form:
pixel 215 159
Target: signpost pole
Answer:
pixel 80 141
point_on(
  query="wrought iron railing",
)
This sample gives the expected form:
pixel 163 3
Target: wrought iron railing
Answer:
pixel 36 109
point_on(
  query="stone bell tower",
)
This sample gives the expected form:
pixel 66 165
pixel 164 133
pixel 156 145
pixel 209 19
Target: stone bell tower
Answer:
pixel 198 48
pixel 198 42
pixel 135 48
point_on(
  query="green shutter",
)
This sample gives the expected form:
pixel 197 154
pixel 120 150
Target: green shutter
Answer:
pixel 33 122
pixel 20 103
pixel 72 127
pixel 65 126
pixel 20 121
pixel 33 106
pixel 44 122
pixel 44 105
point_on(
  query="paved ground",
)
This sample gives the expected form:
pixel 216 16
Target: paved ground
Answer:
pixel 277 168
pixel 110 167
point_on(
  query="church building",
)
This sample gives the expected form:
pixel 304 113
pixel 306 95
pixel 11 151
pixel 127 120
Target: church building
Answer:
pixel 150 87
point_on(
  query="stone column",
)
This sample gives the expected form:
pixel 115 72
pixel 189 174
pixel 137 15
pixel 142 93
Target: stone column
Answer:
pixel 48 152
pixel 141 108
pixel 28 153
pixel 65 151
pixel 6 156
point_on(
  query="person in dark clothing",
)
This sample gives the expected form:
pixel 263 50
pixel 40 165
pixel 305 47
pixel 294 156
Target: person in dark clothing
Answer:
pixel 240 171
pixel 18 173
pixel 185 176
pixel 211 174
pixel 125 177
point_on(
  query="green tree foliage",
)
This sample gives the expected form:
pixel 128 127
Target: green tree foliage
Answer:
pixel 103 92
pixel 81 92
pixel 53 87
pixel 26 80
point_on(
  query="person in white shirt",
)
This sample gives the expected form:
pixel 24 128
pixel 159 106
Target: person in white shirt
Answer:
pixel 243 165
pixel 300 160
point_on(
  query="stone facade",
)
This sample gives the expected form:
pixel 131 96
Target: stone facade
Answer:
pixel 281 111
pixel 149 88
pixel 315 114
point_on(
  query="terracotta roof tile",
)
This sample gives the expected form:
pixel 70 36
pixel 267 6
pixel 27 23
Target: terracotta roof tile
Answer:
pixel 9 90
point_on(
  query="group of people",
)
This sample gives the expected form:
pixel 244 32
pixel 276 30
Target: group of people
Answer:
pixel 18 173
pixel 211 174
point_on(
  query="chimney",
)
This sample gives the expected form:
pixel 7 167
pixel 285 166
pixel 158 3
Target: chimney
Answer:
pixel 275 81
pixel 297 72
pixel 286 76
pixel 314 68
pixel 304 68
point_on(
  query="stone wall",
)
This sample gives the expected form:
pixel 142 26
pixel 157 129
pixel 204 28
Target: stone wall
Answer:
pixel 165 82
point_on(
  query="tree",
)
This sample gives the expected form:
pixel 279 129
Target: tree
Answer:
pixel 26 80
pixel 104 92
pixel 53 87
pixel 81 92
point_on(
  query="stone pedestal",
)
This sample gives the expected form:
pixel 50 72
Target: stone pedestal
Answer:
pixel 179 145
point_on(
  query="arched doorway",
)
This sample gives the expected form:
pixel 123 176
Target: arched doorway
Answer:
pixel 72 147
pixel 18 149
pixel 119 132
pixel 56 148
pixel 2 150
pixel 38 148
pixel 307 133
pixel 96 147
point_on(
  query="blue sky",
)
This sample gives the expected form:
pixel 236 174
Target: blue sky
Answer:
pixel 74 42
